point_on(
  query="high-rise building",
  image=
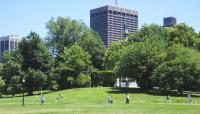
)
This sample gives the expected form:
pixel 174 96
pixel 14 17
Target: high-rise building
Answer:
pixel 113 23
pixel 169 21
pixel 8 43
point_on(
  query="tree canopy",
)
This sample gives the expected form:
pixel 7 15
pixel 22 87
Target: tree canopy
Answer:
pixel 73 55
pixel 72 63
pixel 63 32
pixel 92 43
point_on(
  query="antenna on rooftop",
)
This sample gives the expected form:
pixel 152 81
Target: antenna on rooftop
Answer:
pixel 115 2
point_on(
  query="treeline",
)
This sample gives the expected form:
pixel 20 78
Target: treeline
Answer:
pixel 72 55
pixel 155 56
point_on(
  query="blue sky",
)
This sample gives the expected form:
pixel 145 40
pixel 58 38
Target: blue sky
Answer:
pixel 19 17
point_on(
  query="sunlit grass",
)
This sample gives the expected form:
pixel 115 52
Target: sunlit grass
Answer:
pixel 94 101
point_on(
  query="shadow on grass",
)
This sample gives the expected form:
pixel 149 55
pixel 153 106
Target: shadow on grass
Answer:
pixel 36 93
pixel 26 94
pixel 152 92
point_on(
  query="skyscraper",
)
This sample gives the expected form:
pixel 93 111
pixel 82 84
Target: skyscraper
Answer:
pixel 113 23
pixel 8 43
pixel 169 21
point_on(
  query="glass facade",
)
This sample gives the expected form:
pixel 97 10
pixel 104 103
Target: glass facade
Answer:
pixel 169 21
pixel 2 46
pixel 7 43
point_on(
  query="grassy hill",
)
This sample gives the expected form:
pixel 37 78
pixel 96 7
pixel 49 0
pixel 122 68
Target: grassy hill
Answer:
pixel 94 101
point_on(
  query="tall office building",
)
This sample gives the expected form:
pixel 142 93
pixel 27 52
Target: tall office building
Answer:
pixel 113 23
pixel 169 21
pixel 8 43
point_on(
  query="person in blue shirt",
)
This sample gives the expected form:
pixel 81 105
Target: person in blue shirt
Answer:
pixel 109 99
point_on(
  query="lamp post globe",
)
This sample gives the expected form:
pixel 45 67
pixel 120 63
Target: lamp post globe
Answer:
pixel 23 81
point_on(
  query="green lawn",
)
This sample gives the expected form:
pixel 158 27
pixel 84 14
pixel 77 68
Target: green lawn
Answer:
pixel 93 101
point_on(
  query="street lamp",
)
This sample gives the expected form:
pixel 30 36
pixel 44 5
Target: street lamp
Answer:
pixel 23 81
pixel 126 82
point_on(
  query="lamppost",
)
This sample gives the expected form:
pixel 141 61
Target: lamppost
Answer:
pixel 126 82
pixel 126 86
pixel 23 81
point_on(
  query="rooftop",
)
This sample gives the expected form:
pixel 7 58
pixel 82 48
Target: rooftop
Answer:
pixel 114 8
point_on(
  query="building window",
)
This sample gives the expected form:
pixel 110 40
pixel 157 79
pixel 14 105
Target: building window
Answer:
pixel 131 15
pixel 2 46
pixel 92 15
pixel 115 13
pixel 12 45
pixel 135 16
pixel 6 45
pixel 127 15
pixel 16 44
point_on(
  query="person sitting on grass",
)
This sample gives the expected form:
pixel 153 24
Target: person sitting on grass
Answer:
pixel 42 99
pixel 111 101
pixel 168 99
pixel 59 97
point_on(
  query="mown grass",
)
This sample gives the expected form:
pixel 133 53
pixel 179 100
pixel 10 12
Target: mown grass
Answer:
pixel 94 101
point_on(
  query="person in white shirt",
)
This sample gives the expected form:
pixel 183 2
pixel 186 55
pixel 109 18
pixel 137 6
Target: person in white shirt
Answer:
pixel 189 98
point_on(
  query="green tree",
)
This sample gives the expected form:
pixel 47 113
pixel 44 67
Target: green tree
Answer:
pixel 197 44
pixel 113 54
pixel 1 67
pixel 104 78
pixel 199 34
pixel 140 59
pixel 148 48
pixel 83 80
pixel 147 32
pixel 180 71
pixel 2 84
pixel 35 79
pixel 181 34
pixel 63 32
pixel 12 71
pixel 36 58
pixel 71 63
pixel 92 43
pixel 71 80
